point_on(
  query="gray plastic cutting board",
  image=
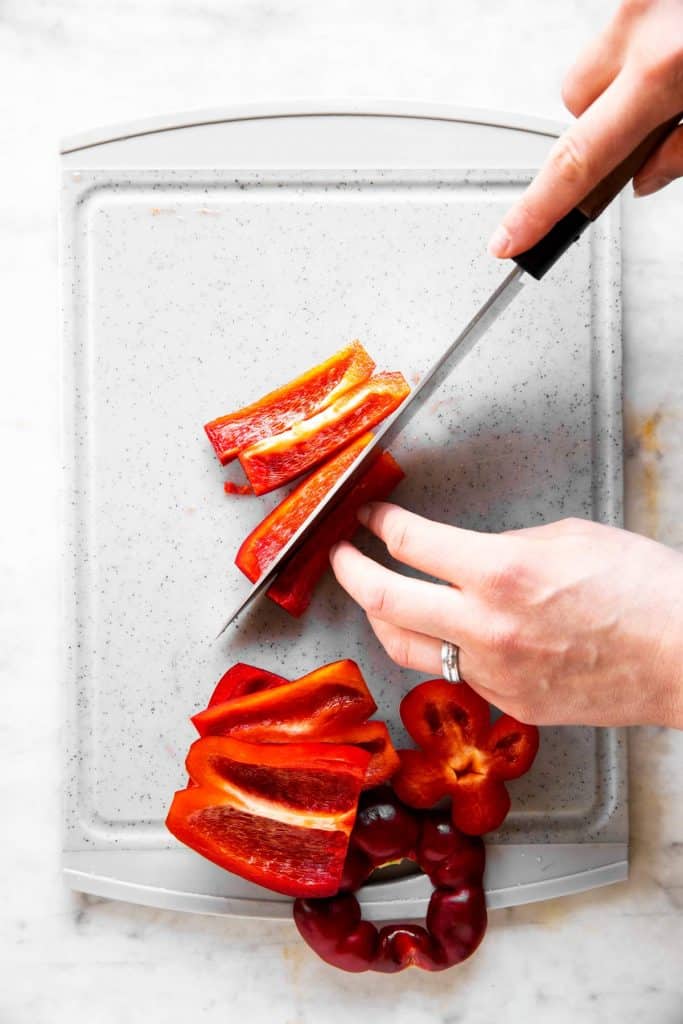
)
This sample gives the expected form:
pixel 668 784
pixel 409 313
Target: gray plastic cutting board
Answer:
pixel 205 261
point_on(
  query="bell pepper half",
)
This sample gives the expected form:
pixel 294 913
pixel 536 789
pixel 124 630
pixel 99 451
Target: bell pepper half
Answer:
pixel 322 703
pixel 301 398
pixel 264 542
pixel 279 816
pixel 461 755
pixel 277 459
pixel 293 587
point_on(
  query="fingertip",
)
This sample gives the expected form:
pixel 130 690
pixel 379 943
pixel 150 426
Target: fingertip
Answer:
pixel 500 243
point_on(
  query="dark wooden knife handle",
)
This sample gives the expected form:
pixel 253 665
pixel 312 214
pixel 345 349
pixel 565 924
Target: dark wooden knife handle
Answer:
pixel 538 260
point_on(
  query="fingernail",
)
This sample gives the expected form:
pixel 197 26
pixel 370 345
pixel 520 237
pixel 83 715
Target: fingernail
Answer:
pixel 500 243
pixel 333 550
pixel 363 514
pixel 650 185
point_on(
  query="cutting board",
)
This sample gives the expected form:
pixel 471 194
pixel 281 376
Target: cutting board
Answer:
pixel 205 261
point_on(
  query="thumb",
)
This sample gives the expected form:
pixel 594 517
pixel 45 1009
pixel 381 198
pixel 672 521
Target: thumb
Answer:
pixel 665 164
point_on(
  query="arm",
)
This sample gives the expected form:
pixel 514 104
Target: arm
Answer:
pixel 570 623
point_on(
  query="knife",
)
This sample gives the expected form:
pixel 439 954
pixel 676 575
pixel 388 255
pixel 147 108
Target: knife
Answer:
pixel 534 263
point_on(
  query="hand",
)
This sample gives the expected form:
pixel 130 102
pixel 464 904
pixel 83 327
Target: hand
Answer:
pixel 628 81
pixel 573 622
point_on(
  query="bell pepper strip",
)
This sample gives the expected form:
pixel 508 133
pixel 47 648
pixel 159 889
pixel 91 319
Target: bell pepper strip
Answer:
pixel 462 754
pixel 277 459
pixel 322 703
pixel 294 586
pixel 278 816
pixel 302 397
pixel 265 542
pixel 386 832
pixel 241 680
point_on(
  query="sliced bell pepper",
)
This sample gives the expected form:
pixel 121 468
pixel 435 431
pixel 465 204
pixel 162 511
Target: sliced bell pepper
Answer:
pixel 263 543
pixel 279 816
pixel 322 703
pixel 277 459
pixel 375 739
pixel 373 736
pixel 241 680
pixel 462 755
pixel 302 397
pixel 293 588
pixel 386 832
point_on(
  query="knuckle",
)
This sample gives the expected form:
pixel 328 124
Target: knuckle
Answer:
pixel 504 640
pixel 377 600
pixel 397 539
pixel 510 577
pixel 569 160
pixel 399 649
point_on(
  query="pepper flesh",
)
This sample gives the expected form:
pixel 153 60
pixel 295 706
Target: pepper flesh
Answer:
pixel 319 704
pixel 463 756
pixel 279 816
pixel 277 459
pixel 385 831
pixel 264 542
pixel 300 398
pixel 293 587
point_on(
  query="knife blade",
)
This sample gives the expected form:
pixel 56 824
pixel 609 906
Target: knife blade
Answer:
pixel 391 427
pixel 535 262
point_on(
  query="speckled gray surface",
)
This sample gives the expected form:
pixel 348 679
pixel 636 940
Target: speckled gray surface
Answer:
pixel 191 292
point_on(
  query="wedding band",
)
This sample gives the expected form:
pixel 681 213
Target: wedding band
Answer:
pixel 450 669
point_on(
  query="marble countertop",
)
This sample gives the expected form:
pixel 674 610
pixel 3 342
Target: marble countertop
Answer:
pixel 608 955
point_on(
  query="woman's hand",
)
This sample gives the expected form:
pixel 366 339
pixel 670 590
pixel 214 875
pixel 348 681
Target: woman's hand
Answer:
pixel 627 82
pixel 573 622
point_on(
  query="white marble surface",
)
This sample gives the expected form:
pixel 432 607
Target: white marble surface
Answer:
pixel 610 955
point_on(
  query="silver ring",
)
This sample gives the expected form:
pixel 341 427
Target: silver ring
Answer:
pixel 450 669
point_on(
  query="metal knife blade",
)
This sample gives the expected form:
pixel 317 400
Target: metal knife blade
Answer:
pixel 387 431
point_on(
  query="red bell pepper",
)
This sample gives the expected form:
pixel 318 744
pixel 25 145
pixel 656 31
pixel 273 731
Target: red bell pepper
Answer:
pixel 322 703
pixel 373 736
pixel 462 755
pixel 294 586
pixel 375 739
pixel 279 816
pixel 303 397
pixel 270 536
pixel 277 459
pixel 241 680
pixel 386 832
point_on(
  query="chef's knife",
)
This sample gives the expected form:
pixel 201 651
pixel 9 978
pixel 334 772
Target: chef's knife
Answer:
pixel 535 263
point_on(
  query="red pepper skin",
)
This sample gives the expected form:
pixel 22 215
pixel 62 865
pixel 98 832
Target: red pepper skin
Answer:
pixel 277 459
pixel 456 917
pixel 241 680
pixel 303 397
pixel 293 588
pixel 323 702
pixel 265 542
pixel 279 816
pixel 463 756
